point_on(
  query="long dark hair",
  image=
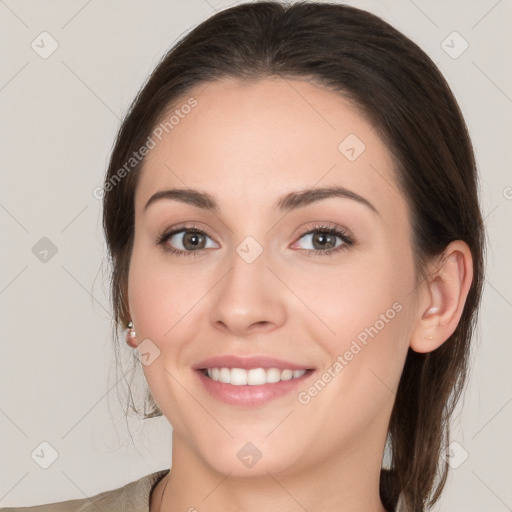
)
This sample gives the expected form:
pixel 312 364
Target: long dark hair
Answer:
pixel 400 90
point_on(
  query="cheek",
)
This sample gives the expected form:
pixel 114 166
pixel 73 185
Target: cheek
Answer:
pixel 347 299
pixel 364 323
pixel 160 295
pixel 365 354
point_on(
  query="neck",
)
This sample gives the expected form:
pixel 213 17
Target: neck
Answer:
pixel 346 481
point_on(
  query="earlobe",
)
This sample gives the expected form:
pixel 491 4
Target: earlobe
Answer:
pixel 443 298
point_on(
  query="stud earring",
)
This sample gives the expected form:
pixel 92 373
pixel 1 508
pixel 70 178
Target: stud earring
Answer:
pixel 130 332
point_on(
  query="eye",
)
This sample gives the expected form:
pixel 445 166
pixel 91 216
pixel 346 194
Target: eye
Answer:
pixel 324 240
pixel 185 241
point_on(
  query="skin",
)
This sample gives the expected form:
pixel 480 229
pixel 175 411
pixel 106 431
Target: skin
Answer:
pixel 327 454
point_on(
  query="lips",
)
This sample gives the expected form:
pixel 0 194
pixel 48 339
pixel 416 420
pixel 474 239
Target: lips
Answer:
pixel 250 381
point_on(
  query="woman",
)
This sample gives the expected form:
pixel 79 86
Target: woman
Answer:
pixel 292 217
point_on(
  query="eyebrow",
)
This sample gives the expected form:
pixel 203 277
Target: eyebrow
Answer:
pixel 290 201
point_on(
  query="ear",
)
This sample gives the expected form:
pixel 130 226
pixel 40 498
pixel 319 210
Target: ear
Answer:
pixel 442 298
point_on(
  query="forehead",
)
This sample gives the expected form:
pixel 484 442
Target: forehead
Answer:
pixel 262 139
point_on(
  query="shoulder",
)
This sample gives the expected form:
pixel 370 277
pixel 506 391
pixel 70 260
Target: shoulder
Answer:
pixel 132 497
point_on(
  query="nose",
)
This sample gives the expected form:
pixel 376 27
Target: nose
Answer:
pixel 249 298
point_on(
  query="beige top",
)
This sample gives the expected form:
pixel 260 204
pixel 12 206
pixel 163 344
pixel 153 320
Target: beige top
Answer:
pixel 133 497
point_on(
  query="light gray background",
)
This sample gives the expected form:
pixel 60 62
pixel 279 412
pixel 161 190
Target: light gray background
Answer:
pixel 59 118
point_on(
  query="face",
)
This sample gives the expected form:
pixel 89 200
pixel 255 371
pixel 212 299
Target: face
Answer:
pixel 296 303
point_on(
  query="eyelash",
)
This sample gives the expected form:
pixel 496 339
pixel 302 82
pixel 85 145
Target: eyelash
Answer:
pixel 161 239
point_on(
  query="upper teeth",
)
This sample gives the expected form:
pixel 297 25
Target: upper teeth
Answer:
pixel 253 377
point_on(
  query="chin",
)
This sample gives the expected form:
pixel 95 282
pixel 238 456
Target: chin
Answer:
pixel 241 457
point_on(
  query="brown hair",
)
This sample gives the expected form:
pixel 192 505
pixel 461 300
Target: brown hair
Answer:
pixel 400 90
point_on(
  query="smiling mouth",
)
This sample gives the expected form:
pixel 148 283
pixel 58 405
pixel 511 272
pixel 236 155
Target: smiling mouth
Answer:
pixel 253 376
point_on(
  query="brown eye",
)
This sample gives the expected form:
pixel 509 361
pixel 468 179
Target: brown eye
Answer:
pixel 324 240
pixel 193 240
pixel 187 240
